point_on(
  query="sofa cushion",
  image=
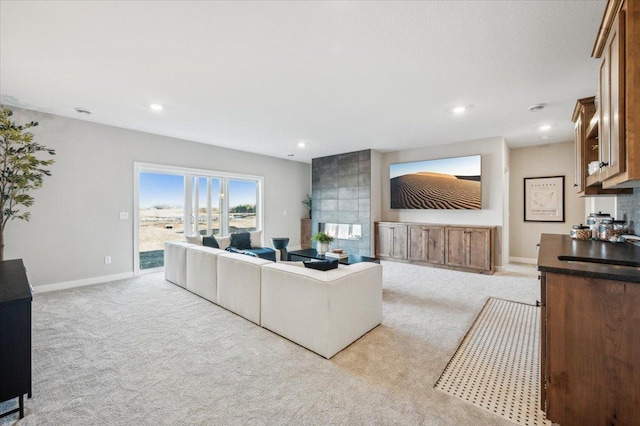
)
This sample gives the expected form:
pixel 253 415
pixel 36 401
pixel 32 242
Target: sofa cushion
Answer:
pixel 241 240
pixel 321 265
pixel 195 239
pixel 210 241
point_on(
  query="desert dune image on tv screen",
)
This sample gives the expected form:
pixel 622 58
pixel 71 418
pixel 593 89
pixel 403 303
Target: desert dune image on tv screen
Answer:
pixel 450 183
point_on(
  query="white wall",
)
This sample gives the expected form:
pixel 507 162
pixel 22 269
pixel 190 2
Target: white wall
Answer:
pixel 494 166
pixel 75 219
pixel 376 214
pixel 539 161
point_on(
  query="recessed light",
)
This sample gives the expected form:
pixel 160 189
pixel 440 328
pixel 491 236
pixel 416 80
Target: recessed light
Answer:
pixel 301 145
pixel 545 127
pixel 537 107
pixel 156 107
pixel 83 111
pixel 459 110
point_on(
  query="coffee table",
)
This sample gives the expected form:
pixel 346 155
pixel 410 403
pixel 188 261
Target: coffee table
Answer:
pixel 313 254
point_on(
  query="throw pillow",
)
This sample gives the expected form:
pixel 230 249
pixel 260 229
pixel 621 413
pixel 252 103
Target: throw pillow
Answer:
pixel 321 265
pixel 241 240
pixel 210 241
pixel 196 239
pixel 256 239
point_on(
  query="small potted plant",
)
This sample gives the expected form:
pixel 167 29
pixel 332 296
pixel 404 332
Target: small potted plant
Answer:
pixel 323 240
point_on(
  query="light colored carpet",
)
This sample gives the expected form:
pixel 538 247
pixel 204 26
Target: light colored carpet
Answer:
pixel 497 366
pixel 144 351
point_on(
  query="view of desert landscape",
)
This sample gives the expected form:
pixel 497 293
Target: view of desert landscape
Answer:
pixel 159 225
pixel 428 190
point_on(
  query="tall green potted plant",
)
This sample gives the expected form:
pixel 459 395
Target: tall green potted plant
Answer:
pixel 308 203
pixel 21 171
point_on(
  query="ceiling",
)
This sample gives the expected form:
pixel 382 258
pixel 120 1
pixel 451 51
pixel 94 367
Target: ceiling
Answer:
pixel 340 76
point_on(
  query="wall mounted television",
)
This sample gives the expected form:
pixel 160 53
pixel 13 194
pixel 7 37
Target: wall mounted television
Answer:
pixel 447 183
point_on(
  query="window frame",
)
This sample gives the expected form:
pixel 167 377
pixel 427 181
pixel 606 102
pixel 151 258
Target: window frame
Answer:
pixel 189 174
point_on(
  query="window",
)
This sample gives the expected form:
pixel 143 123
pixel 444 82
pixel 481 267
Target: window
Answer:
pixel 206 201
pixel 243 198
pixel 172 201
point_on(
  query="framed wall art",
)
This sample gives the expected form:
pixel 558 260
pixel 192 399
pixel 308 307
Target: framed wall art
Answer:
pixel 544 199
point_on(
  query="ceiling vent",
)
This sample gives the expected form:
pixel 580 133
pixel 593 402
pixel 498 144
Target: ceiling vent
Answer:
pixel 537 107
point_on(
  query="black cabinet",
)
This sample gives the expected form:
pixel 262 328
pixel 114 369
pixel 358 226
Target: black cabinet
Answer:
pixel 15 334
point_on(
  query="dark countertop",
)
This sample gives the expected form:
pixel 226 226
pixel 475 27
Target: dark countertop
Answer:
pixel 611 258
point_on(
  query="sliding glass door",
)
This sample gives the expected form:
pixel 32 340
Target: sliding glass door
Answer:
pixel 173 202
pixel 161 215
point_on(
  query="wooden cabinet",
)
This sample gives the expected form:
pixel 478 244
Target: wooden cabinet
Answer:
pixel 469 248
pixel 591 350
pixel 618 47
pixel 426 243
pixel 583 114
pixel 587 126
pixel 305 233
pixel 590 339
pixel 391 240
pixel 15 334
pixel 611 129
pixel 466 248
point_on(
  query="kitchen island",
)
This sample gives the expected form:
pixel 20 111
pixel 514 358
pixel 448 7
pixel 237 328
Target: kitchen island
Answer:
pixel 590 331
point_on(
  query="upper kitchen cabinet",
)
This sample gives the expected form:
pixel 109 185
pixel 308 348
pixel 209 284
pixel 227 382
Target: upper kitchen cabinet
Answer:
pixel 587 150
pixel 618 48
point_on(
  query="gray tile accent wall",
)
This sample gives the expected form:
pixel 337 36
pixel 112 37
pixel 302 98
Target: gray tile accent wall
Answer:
pixel 341 191
pixel 629 209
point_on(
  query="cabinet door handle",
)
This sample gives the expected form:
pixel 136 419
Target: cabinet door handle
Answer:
pixel 575 185
pixel 603 164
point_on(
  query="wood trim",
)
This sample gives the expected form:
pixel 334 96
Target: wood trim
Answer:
pixel 613 6
pixel 580 104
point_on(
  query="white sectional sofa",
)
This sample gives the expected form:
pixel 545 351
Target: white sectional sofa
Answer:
pixel 323 311
pixel 175 262
pixel 202 271
pixel 239 284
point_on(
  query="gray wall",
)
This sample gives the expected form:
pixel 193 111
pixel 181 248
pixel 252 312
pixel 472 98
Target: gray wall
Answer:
pixel 494 187
pixel 341 191
pixel 538 161
pixel 75 219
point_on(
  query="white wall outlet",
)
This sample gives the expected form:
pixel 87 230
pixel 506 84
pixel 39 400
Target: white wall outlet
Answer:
pixel 284 212
pixel 107 260
pixel 124 215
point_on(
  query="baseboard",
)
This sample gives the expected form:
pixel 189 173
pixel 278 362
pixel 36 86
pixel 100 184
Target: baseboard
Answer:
pixel 81 283
pixel 527 260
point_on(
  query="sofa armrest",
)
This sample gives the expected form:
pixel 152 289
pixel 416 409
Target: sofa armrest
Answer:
pixel 324 311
